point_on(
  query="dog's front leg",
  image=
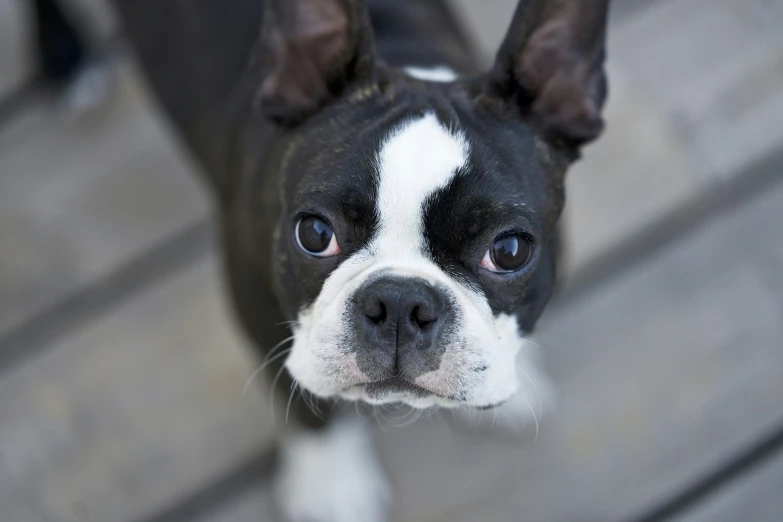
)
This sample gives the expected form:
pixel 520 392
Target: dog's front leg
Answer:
pixel 332 475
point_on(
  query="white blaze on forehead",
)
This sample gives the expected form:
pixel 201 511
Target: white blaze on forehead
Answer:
pixel 419 158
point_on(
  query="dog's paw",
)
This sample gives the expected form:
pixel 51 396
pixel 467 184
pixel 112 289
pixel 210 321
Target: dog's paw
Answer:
pixel 332 476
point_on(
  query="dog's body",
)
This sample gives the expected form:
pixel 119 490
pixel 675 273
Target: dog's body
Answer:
pixel 398 208
pixel 209 95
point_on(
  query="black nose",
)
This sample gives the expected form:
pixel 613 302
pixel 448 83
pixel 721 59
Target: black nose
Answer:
pixel 400 312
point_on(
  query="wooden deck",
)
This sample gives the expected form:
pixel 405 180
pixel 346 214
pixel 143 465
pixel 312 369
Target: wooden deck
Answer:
pixel 121 372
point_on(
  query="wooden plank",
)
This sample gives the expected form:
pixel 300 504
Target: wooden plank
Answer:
pixel 15 64
pixel 715 67
pixel 756 497
pixel 252 506
pixel 79 198
pixel 133 412
pixel 661 375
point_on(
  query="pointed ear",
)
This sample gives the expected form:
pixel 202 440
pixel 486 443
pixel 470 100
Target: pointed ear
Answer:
pixel 551 65
pixel 310 51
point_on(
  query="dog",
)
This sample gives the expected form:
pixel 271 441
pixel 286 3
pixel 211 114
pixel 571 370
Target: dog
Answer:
pixel 380 194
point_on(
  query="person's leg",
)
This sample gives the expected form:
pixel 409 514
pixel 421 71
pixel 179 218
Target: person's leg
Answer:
pixel 64 59
pixel 60 48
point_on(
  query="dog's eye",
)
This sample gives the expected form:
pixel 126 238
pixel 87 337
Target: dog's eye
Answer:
pixel 508 253
pixel 315 236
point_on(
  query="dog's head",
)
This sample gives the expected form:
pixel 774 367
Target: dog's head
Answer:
pixel 415 246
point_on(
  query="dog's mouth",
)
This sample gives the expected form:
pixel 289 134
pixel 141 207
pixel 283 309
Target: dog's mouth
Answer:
pixel 393 387
pixel 398 389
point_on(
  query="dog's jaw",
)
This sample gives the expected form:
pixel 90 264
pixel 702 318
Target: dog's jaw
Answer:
pixel 332 476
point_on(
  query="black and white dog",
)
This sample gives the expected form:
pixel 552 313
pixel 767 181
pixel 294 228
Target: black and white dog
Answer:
pixel 394 204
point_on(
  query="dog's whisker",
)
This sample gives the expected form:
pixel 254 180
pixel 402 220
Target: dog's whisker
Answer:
pixel 380 418
pixel 531 341
pixel 405 419
pixel 266 362
pixel 535 418
pixel 261 368
pixel 294 386
pixel 288 324
pixel 310 403
pixel 535 388
pixel 414 416
pixel 274 387
pixel 276 347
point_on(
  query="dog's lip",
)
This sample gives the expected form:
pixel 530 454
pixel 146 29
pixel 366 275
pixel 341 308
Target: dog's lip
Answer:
pixel 396 385
pixel 400 385
pixel 491 406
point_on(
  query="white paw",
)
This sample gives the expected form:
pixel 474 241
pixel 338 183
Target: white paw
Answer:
pixel 332 476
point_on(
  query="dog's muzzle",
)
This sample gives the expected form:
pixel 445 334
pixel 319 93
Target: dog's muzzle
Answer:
pixel 398 327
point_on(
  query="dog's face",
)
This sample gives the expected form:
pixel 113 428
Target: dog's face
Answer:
pixel 415 244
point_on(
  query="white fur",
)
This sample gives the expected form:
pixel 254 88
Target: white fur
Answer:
pixel 332 476
pixel 433 74
pixel 416 160
pixel 534 399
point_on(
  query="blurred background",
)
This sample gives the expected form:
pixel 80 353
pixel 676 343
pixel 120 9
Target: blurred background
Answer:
pixel 121 371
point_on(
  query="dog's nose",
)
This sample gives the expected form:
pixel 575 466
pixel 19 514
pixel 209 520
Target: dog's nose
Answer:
pixel 400 312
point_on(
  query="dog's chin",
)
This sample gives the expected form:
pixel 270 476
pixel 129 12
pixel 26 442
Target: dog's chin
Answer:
pixel 398 391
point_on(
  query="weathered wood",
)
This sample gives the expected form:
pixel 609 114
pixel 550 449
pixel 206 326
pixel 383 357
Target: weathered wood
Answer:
pixel 716 68
pixel 132 412
pixel 756 496
pixel 253 506
pixel 15 64
pixel 80 198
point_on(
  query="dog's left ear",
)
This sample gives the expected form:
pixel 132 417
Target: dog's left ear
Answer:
pixel 309 52
pixel 551 66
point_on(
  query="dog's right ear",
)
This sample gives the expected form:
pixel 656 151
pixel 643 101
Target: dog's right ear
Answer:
pixel 309 52
pixel 550 65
